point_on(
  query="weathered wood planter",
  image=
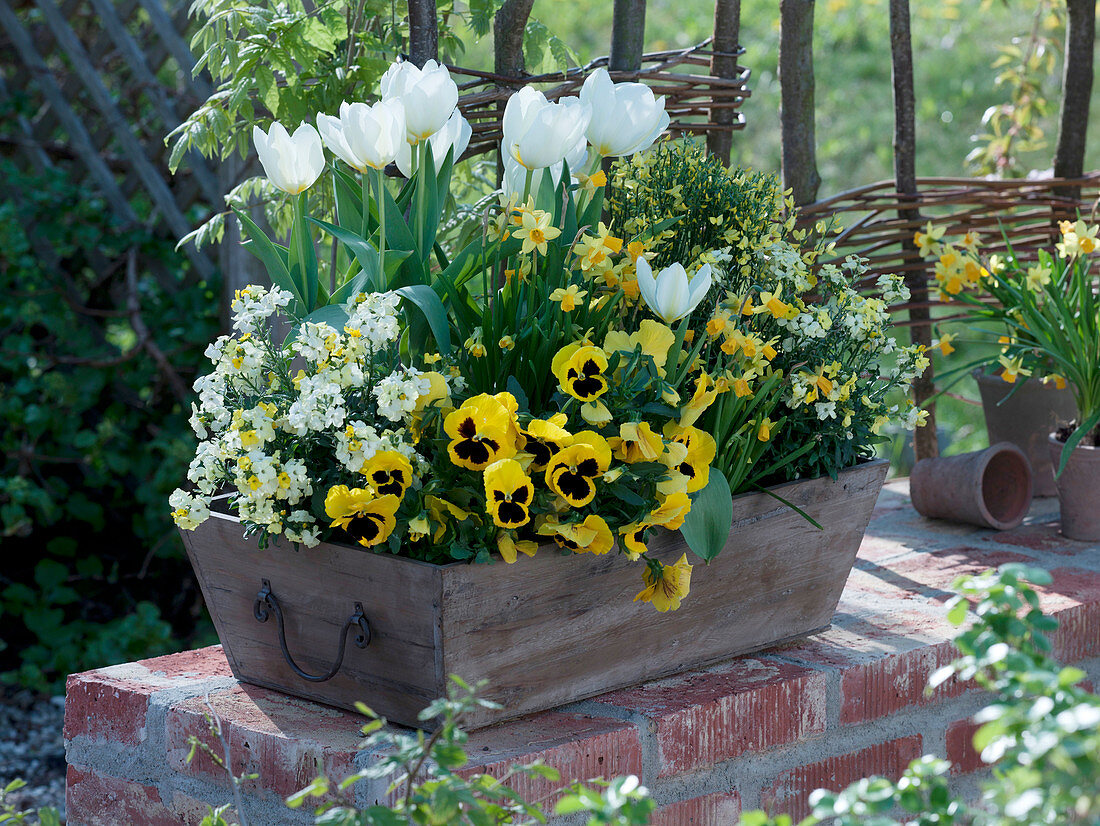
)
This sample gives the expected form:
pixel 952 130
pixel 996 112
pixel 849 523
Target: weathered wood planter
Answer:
pixel 547 630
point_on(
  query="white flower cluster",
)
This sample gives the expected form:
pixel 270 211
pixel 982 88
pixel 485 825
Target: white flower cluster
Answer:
pixel 319 406
pixel 892 288
pixel 397 393
pixel 189 511
pixel 784 264
pixel 372 319
pixel 253 305
pixel 315 342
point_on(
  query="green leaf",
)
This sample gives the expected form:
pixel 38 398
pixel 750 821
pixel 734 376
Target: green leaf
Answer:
pixel 426 299
pixel 706 528
pixel 1075 438
pixel 263 248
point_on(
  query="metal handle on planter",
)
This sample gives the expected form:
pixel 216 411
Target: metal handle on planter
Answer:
pixel 266 599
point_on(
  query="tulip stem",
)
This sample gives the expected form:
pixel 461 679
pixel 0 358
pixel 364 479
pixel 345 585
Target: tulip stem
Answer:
pixel 527 184
pixel 421 149
pixel 677 346
pixel 380 183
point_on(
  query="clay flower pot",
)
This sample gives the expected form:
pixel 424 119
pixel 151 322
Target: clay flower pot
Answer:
pixel 991 488
pixel 1026 419
pixel 1078 491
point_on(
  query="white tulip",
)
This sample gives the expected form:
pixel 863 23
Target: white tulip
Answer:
pixel 671 295
pixel 515 176
pixel 455 132
pixel 626 118
pixel 429 96
pixel 365 137
pixel 292 163
pixel 538 133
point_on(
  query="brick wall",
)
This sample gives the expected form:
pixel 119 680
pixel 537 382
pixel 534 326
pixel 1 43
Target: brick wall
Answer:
pixel 759 731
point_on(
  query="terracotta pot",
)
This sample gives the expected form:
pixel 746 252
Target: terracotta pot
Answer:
pixel 1026 419
pixel 1078 491
pixel 991 488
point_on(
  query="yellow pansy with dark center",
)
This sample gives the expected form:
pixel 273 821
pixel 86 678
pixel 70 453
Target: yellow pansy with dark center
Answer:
pixel 573 470
pixel 389 473
pixel 579 369
pixel 481 432
pixel 701 450
pixel 508 493
pixel 367 518
pixel 671 512
pixel 545 437
pixel 633 539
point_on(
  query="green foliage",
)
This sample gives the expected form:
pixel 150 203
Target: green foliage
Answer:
pixel 92 438
pixel 12 816
pixel 426 781
pixel 1041 733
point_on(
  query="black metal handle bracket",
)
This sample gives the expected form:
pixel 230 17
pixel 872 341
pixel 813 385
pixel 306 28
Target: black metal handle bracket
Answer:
pixel 265 600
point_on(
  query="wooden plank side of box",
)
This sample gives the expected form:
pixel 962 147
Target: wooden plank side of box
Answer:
pixel 553 629
pixel 397 674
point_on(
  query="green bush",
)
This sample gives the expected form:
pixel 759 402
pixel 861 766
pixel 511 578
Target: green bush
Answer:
pixel 92 436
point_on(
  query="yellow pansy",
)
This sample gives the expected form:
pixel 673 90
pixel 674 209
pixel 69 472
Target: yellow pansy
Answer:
pixel 636 442
pixel 440 511
pixel 632 537
pixel 653 337
pixel 388 472
pixel 671 512
pixel 592 536
pixel 572 472
pixel 700 452
pixel 596 413
pixel 545 437
pixel 508 493
pixel 367 518
pixel 579 368
pixel 666 585
pixel 508 546
pixel 481 432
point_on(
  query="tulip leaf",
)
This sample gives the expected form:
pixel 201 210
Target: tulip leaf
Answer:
pixel 263 248
pixel 706 528
pixel 303 256
pixel 428 301
pixel 399 237
pixel 349 200
pixel 334 315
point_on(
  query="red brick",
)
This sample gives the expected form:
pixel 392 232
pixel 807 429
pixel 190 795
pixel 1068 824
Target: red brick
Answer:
pixel 747 705
pixel 580 747
pixel 94 799
pixel 718 809
pixel 111 703
pixel 286 741
pixel 960 747
pixel 937 570
pixel 880 687
pixel 877 548
pixel 1074 600
pixel 1044 536
pixel 791 790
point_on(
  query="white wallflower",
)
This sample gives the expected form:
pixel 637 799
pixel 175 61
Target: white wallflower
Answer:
pixel 397 393
pixel 319 406
pixel 316 342
pixel 188 511
pixel 253 305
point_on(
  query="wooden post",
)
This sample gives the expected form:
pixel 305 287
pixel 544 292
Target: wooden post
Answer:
pixel 423 32
pixel 1069 156
pixel 508 28
pixel 727 31
pixel 925 444
pixel 627 36
pixel 796 80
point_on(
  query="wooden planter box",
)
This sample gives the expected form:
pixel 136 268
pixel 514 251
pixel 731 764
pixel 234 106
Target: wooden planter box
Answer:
pixel 547 630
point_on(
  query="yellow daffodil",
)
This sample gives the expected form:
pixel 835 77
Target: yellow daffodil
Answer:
pixel 772 302
pixel 506 343
pixel 926 241
pixel 1013 368
pixel 1058 381
pixel 474 344
pixel 1077 239
pixel 701 450
pixel 666 585
pixel 481 432
pixel 367 518
pixel 508 546
pixel 388 472
pixel 569 297
pixel 593 251
pixel 636 442
pixel 970 241
pixel 535 231
pixel 944 343
pixel 1037 277
pixel 579 368
pixel 545 437
pixel 508 493
pixel 573 471
pixel 764 429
